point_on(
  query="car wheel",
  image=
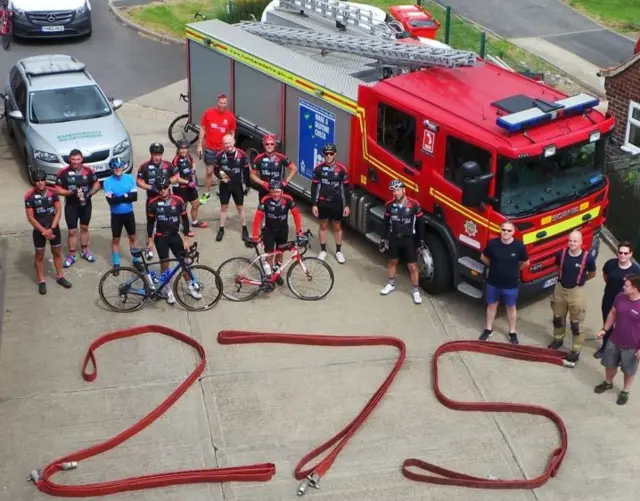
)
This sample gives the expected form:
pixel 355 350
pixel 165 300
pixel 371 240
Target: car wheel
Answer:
pixel 28 164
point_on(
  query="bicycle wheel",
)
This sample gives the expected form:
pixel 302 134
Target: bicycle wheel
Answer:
pixel 180 128
pixel 201 295
pixel 240 279
pixel 132 286
pixel 311 269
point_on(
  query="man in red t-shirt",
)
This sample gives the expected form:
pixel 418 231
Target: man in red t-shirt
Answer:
pixel 215 124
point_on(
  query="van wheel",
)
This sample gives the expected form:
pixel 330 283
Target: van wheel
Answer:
pixel 251 148
pixel 434 264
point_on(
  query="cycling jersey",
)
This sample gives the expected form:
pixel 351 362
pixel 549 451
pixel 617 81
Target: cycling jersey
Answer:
pixel 270 167
pixel 72 179
pixel 148 172
pixel 330 184
pixel 123 191
pixel 184 167
pixel 235 165
pixel 276 214
pixel 403 218
pixel 167 213
pixel 43 205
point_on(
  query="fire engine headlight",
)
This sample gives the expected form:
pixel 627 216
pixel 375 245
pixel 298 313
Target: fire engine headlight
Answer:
pixel 549 151
pixel 594 136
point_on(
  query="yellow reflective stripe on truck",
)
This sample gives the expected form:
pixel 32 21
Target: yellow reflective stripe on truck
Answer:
pixel 304 85
pixel 555 229
pixel 452 204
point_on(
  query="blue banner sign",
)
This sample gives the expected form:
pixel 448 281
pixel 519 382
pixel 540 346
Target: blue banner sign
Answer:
pixel 316 128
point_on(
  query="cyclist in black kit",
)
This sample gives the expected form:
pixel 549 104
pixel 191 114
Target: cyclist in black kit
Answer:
pixel 166 211
pixel 330 196
pixel 185 185
pixel 270 166
pixel 42 206
pixel 404 232
pixel 274 209
pixel 77 184
pixel 147 174
pixel 232 168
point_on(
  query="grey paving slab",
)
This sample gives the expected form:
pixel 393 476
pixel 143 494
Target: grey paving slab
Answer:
pixel 603 48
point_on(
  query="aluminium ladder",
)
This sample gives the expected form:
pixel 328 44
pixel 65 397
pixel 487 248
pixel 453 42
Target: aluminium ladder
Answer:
pixel 346 15
pixel 385 51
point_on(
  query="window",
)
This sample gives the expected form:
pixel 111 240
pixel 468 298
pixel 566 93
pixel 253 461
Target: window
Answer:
pixel 459 152
pixel 632 136
pixel 21 97
pixel 397 133
pixel 67 105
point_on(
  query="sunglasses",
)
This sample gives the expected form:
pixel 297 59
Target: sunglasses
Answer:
pixel 622 253
pixel 269 144
pixel 329 154
pixel 506 230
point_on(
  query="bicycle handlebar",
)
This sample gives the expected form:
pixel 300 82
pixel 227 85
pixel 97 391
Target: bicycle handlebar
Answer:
pixel 184 97
pixel 253 244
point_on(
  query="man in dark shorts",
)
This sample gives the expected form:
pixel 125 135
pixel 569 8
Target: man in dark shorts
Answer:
pixel 404 233
pixel 623 348
pixel 185 186
pixel 270 166
pixel 614 272
pixel 274 209
pixel 77 183
pixel 167 211
pixel 42 206
pixel 232 168
pixel 505 257
pixel 121 191
pixel 330 196
pixel 147 174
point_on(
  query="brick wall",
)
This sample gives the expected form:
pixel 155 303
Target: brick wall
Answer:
pixel 622 88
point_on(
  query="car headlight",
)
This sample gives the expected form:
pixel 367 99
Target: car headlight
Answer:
pixel 45 156
pixel 120 148
pixel 83 9
pixel 19 13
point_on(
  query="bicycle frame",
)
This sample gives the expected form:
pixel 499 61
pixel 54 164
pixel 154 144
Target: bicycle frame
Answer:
pixel 261 256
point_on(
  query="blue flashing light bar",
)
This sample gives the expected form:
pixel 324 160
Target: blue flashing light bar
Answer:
pixel 535 116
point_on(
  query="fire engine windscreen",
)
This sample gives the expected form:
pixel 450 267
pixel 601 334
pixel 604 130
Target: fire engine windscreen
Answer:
pixel 535 184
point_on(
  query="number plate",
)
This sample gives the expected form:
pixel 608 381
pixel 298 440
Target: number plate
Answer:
pixel 52 28
pixel 99 167
pixel 550 282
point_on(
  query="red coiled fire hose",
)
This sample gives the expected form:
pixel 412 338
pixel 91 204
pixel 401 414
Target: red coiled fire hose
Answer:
pixel 250 473
pixel 528 353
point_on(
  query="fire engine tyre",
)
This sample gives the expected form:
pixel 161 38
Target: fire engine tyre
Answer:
pixel 434 263
pixel 251 148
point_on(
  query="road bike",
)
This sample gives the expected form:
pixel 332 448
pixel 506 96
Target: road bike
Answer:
pixel 244 278
pixel 137 285
pixel 182 128
pixel 6 24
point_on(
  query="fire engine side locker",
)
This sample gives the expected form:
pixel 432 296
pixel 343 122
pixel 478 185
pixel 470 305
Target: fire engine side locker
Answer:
pixel 267 85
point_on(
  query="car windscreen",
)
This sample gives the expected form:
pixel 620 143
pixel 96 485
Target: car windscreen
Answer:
pixel 67 105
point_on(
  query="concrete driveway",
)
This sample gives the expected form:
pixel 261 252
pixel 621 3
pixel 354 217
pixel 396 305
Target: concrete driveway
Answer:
pixel 552 21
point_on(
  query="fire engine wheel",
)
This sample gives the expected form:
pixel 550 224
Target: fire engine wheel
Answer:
pixel 434 263
pixel 251 148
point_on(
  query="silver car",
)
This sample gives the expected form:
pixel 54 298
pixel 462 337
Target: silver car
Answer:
pixel 53 105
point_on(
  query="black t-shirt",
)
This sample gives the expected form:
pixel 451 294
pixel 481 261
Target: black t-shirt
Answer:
pixel 43 204
pixel 571 268
pixel 167 213
pixel 615 279
pixel 504 266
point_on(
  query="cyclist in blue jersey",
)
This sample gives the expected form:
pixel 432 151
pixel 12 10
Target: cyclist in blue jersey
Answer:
pixel 121 191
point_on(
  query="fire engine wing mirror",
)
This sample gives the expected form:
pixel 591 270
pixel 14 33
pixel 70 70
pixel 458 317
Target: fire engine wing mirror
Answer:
pixel 475 190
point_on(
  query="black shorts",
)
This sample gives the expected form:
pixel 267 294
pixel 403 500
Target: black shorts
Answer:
pixel 39 242
pixel 126 221
pixel 76 212
pixel 403 248
pixel 187 194
pixel 166 243
pixel 330 210
pixel 274 236
pixel 210 156
pixel 228 190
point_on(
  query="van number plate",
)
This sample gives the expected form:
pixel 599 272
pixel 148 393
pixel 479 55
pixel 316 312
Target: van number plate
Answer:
pixel 52 28
pixel 550 282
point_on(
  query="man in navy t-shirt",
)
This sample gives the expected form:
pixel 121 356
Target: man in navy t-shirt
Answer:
pixel 505 257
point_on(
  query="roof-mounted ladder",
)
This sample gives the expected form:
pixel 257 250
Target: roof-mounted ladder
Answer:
pixel 346 16
pixel 386 51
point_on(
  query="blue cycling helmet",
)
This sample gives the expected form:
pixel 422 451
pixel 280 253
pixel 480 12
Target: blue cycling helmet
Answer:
pixel 117 163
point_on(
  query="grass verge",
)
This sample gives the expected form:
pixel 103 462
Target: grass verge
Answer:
pixel 620 15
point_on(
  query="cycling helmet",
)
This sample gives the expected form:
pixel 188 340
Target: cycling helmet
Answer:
pixel 38 175
pixel 274 184
pixel 182 143
pixel 161 183
pixel 116 163
pixel 269 138
pixel 156 148
pixel 329 148
pixel 395 185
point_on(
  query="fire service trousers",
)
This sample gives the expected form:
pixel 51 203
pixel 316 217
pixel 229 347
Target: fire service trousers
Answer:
pixel 571 301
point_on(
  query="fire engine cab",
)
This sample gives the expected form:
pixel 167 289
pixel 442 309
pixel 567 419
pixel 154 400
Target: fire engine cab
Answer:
pixel 474 143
